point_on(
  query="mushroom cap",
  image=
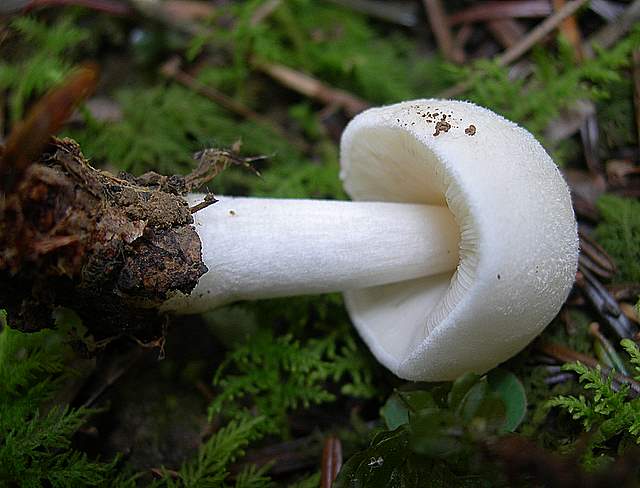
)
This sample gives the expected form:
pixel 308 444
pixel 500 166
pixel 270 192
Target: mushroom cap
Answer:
pixel 518 236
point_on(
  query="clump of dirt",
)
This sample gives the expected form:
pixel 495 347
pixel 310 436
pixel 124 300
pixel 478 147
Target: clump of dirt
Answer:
pixel 110 248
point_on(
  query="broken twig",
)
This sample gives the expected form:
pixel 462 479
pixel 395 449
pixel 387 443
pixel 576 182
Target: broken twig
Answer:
pixel 440 28
pixel 539 32
pixel 313 88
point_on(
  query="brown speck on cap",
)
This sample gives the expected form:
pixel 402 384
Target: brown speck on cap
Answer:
pixel 471 130
pixel 442 126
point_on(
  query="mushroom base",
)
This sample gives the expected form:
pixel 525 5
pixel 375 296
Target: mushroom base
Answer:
pixel 109 248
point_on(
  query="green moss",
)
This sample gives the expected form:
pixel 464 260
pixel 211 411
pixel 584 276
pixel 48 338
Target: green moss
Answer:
pixel 277 375
pixel 337 45
pixel 619 234
pixel 43 59
pixel 163 126
pixel 35 443
pixel 557 82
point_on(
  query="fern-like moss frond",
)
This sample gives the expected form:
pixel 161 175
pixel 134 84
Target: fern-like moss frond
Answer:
pixel 35 444
pixel 44 61
pixel 276 375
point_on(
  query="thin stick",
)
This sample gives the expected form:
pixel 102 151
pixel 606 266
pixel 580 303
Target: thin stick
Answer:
pixel 570 30
pixel 313 88
pixel 507 31
pixel 171 69
pixel 403 13
pixel 264 11
pixel 539 32
pixel 604 304
pixel 440 28
pixel 526 43
pixel 108 6
pixel 566 355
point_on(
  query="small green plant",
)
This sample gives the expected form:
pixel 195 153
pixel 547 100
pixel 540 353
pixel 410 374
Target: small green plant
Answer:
pixel 35 432
pixel 434 431
pixel 210 468
pixel 607 412
pixel 557 82
pixel 44 61
pixel 332 43
pixel 276 375
pixel 163 126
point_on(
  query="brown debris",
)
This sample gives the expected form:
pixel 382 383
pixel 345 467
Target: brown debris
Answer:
pixel 527 464
pixel 471 130
pixel 111 248
pixel 533 37
pixel 614 30
pixel 539 32
pixel 29 136
pixel 442 126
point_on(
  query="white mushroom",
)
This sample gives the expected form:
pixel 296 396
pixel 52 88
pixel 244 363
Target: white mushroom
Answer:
pixel 460 248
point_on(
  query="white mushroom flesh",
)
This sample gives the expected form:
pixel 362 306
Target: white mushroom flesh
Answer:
pixel 265 248
pixel 460 248
pixel 518 239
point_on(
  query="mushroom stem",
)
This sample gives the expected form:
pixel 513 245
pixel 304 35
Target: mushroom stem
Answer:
pixel 266 248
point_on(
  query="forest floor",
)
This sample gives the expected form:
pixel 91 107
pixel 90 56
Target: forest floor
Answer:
pixel 96 390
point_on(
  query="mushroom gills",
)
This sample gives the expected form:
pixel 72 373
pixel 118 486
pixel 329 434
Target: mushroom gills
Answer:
pixel 265 248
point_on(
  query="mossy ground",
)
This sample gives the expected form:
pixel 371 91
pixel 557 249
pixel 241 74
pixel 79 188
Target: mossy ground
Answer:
pixel 275 378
